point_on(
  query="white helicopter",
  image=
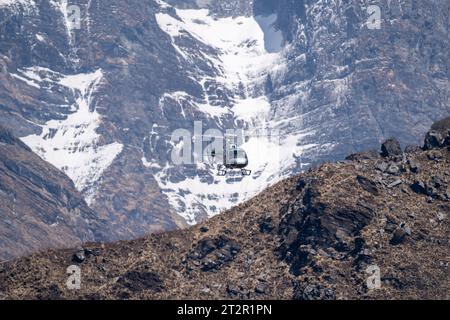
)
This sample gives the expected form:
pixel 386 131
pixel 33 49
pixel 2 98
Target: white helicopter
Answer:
pixel 234 158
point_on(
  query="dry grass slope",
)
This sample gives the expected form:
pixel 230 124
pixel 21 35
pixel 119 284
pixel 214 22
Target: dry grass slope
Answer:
pixel 308 237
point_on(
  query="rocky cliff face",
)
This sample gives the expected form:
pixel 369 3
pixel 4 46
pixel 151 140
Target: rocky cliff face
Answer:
pixel 356 86
pixel 39 205
pixel 308 81
pixel 319 235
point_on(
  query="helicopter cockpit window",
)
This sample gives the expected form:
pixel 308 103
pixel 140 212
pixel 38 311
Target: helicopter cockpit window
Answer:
pixel 238 156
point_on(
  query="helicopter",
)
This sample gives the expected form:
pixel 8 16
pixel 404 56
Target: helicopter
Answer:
pixel 234 158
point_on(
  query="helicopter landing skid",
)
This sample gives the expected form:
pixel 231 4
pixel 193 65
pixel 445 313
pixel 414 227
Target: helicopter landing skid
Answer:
pixel 222 171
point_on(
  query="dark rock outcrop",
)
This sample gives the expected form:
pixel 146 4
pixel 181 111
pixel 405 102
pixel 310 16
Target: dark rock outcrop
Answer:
pixel 211 254
pixel 391 148
pixel 434 140
pixel 439 136
pixel 368 185
pixel 6 136
pixel 312 224
pixel 400 234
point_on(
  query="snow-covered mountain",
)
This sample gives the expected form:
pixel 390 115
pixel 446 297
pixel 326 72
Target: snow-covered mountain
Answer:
pixel 242 52
pixel 307 80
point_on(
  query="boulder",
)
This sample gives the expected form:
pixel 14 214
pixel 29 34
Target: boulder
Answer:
pixel 368 185
pixel 300 185
pixel 383 166
pixel 400 234
pixel 433 140
pixel 406 228
pixel 438 136
pixel 233 291
pixel 395 184
pixel 393 169
pixel 391 148
pixel 79 256
pixel 441 216
pixel 266 224
pixel 414 166
pixel 419 187
pixel 261 288
pixel 398 237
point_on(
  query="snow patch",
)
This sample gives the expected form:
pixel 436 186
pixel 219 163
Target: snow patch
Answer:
pixel 28 81
pixel 28 5
pixel 252 110
pixel 243 58
pixel 72 145
pixel 63 6
pixel 273 38
pixel 40 37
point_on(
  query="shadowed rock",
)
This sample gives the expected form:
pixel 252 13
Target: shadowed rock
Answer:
pixel 391 148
